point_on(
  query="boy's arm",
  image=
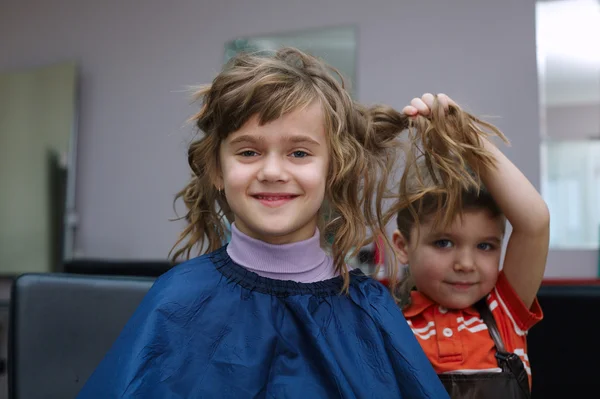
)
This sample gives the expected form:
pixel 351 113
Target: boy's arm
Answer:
pixel 527 249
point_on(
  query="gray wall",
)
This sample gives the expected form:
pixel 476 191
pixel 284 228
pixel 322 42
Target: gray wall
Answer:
pixel 137 57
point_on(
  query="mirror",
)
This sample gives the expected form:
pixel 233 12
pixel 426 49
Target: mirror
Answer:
pixel 37 154
pixel 336 46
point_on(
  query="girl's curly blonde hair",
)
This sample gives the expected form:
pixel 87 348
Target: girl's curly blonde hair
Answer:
pixel 363 142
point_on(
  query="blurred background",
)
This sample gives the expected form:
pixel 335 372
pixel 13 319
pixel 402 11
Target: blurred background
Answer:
pixel 94 96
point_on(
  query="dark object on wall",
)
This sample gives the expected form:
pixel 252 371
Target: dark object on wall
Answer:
pixel 57 185
pixel 366 256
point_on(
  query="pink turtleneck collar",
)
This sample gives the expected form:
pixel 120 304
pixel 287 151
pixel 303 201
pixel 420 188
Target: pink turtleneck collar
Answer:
pixel 302 262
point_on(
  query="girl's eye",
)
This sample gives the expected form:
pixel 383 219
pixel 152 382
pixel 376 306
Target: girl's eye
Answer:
pixel 443 243
pixel 484 246
pixel 299 154
pixel 248 153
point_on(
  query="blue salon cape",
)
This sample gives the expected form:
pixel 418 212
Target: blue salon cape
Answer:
pixel 209 328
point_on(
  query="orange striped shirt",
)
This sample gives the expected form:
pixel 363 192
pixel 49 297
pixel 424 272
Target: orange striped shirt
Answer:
pixel 458 340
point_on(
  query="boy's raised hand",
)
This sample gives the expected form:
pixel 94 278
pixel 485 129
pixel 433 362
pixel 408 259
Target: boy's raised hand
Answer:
pixel 422 106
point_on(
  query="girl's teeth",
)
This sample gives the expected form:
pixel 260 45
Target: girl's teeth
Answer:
pixel 273 198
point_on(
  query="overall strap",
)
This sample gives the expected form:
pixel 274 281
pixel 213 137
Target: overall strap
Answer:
pixel 490 322
pixel 508 362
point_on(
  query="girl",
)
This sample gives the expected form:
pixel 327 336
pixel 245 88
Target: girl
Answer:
pixel 271 314
pixel 470 317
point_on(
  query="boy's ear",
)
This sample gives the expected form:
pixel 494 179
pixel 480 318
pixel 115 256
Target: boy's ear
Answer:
pixel 400 247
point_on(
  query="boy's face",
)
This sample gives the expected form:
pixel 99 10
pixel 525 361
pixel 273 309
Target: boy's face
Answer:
pixel 274 175
pixel 457 266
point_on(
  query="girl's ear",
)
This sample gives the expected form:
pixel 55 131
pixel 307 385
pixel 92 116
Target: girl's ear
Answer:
pixel 217 177
pixel 400 247
pixel 218 182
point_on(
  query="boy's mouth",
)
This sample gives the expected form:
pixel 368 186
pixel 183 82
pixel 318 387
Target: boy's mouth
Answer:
pixel 461 285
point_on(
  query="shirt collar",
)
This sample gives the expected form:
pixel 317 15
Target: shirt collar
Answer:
pixel 420 302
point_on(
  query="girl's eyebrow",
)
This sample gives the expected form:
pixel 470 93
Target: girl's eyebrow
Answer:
pixel 246 138
pixel 302 139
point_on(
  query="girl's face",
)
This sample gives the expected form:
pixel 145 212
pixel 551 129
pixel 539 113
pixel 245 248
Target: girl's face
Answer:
pixel 274 175
pixel 457 266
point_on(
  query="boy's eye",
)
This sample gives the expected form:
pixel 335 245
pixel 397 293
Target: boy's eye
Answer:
pixel 299 154
pixel 443 243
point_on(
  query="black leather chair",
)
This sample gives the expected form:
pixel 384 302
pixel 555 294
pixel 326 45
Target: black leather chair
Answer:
pixel 61 326
pixel 563 348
